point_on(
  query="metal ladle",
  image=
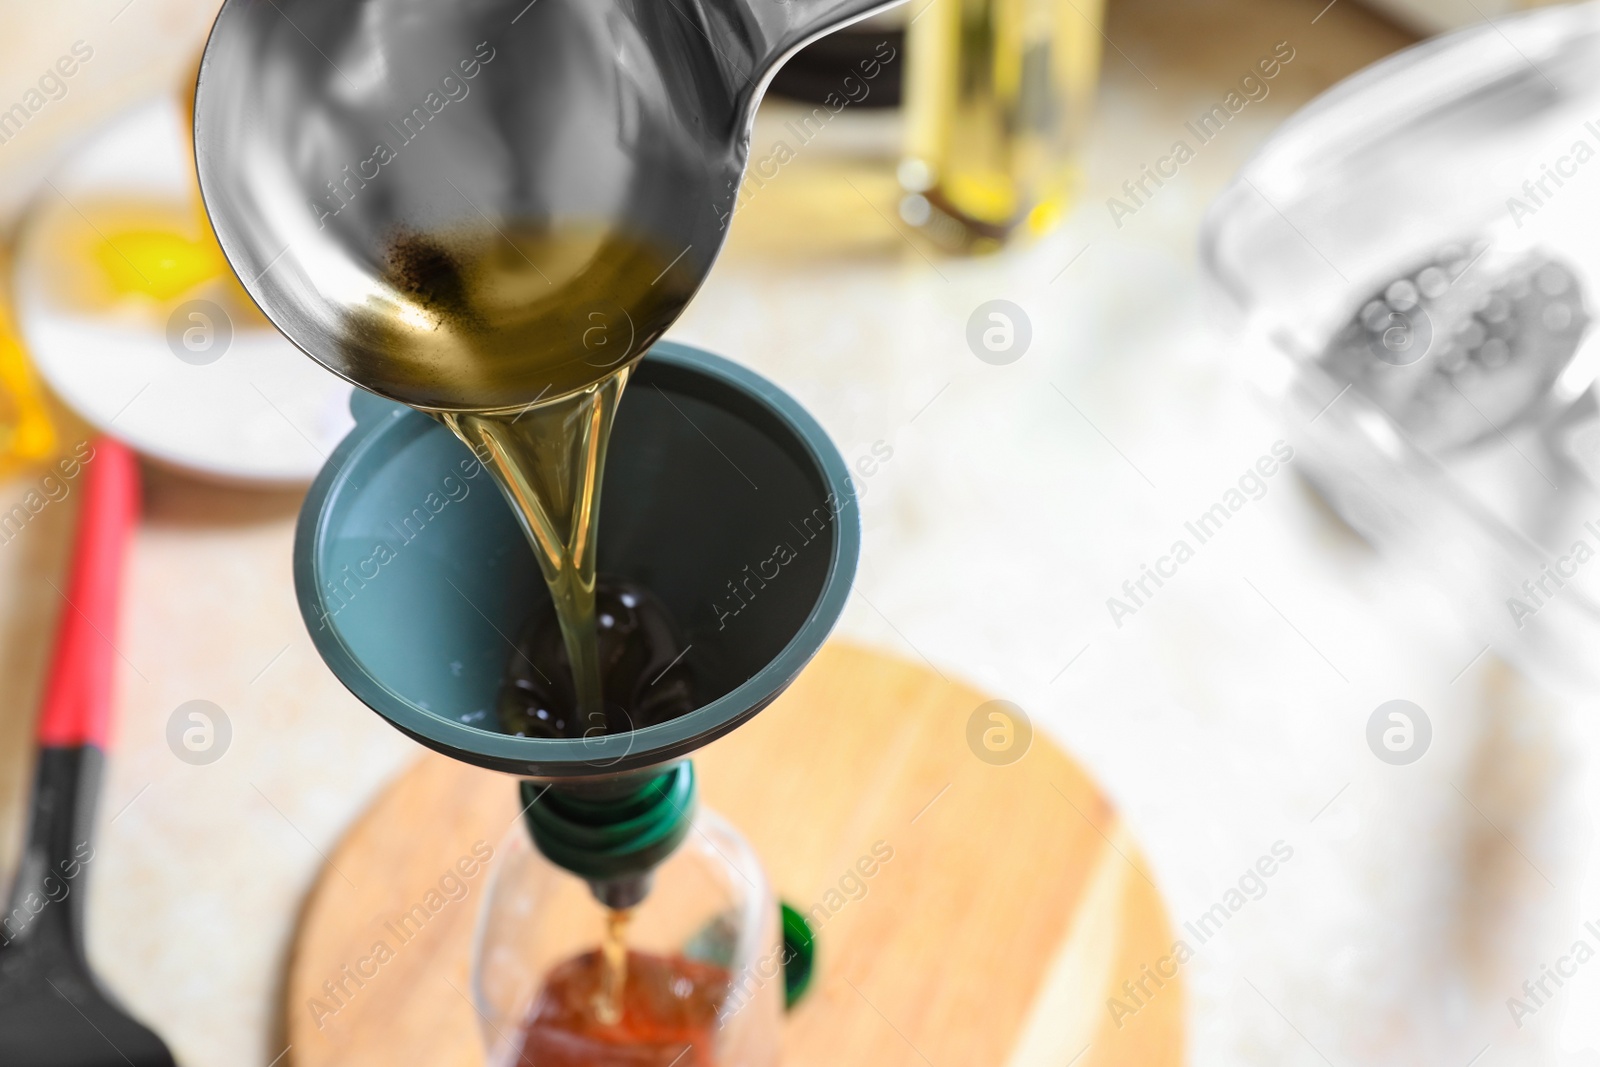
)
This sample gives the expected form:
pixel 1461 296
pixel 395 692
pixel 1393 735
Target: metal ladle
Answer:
pixel 324 129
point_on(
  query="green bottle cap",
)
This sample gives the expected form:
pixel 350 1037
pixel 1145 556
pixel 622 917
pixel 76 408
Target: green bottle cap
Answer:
pixel 799 955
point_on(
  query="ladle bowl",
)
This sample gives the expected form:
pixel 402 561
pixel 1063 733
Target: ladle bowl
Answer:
pixel 723 497
pixel 326 131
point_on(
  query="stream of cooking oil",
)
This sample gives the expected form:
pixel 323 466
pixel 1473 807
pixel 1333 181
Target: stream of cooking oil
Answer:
pixel 521 339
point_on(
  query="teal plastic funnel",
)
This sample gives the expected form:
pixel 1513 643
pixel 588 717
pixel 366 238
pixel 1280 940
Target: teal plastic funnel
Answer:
pixel 721 495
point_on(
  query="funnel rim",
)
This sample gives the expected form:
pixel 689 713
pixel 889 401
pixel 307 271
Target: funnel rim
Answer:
pixel 568 758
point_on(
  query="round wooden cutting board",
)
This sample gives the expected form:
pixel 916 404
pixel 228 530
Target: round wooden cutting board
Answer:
pixel 1014 905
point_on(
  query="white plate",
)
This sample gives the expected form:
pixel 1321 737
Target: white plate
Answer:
pixel 263 413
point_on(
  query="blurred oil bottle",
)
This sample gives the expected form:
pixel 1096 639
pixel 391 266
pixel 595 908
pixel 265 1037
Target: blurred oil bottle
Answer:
pixel 997 94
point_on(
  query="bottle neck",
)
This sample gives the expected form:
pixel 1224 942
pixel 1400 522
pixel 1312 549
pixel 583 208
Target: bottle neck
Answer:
pixel 614 833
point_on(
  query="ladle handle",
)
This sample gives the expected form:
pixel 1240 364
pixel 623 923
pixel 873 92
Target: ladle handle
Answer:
pixel 77 701
pixel 791 24
pixel 776 29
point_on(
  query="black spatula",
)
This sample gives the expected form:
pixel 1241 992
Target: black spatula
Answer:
pixel 53 1013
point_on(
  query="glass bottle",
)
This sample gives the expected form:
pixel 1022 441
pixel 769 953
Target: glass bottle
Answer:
pixel 702 983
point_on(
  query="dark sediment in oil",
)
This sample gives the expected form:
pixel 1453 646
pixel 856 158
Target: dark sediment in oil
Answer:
pixel 645 675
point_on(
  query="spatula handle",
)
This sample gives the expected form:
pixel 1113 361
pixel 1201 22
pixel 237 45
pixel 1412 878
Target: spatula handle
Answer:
pixel 46 904
pixel 77 699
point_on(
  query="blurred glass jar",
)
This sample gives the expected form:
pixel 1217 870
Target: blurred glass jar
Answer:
pixel 997 94
pixel 1412 264
pixel 705 978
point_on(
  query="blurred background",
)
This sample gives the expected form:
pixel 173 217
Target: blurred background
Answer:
pixel 1061 317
